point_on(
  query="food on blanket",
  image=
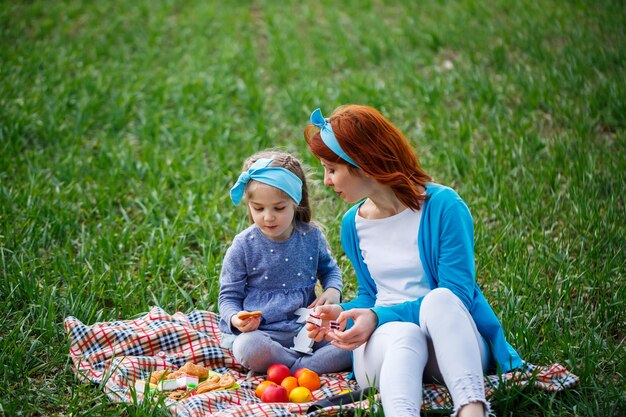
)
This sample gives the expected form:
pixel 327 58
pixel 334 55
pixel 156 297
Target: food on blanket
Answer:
pixel 165 380
pixel 345 391
pixel 277 372
pixel 179 394
pixel 206 387
pixel 244 315
pixel 303 385
pixel 210 384
pixel 158 375
pixel 296 373
pixel 227 381
pixel 300 395
pixel 261 387
pixel 289 383
pixel 216 382
pixel 309 379
pixel 187 381
pixel 175 375
pixel 168 385
pixel 169 381
pixel 191 368
pixel 275 394
pixel 145 387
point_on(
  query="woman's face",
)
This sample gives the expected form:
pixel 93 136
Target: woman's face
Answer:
pixel 350 187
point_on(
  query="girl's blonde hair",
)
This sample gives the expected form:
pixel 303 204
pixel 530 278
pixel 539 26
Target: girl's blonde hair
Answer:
pixel 290 162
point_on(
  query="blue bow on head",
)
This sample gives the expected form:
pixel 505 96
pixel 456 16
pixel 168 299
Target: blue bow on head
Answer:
pixel 278 177
pixel 328 136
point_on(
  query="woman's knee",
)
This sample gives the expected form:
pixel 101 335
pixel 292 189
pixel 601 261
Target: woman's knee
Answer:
pixel 439 296
pixel 441 307
pixel 392 345
pixel 436 304
pixel 398 334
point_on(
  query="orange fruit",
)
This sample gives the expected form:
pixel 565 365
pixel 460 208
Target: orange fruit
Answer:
pixel 261 387
pixel 289 383
pixel 296 373
pixel 300 395
pixel 309 379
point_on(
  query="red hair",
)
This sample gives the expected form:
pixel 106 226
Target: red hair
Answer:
pixel 377 146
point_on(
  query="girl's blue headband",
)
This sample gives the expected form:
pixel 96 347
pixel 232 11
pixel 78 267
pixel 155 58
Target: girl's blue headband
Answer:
pixel 278 177
pixel 328 136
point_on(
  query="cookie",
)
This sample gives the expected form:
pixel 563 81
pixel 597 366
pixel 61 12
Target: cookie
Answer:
pixel 178 395
pixel 227 381
pixel 212 383
pixel 158 375
pixel 191 368
pixel 216 382
pixel 243 315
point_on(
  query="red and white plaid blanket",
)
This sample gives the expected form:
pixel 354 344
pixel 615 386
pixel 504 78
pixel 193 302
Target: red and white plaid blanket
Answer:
pixel 115 354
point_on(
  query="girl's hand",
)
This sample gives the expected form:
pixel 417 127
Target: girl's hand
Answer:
pixel 330 296
pixel 247 325
pixel 326 313
pixel 365 322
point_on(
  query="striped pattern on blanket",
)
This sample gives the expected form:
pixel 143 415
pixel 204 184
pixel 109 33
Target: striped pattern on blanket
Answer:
pixel 116 354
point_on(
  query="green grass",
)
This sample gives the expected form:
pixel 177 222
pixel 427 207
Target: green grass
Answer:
pixel 123 125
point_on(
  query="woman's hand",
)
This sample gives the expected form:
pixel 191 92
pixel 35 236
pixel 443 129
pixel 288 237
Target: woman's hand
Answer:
pixel 330 296
pixel 365 322
pixel 326 313
pixel 245 325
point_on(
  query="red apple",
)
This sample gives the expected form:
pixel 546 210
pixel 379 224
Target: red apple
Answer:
pixel 296 373
pixel 277 372
pixel 275 394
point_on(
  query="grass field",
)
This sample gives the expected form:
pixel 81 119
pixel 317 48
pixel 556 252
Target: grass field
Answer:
pixel 124 123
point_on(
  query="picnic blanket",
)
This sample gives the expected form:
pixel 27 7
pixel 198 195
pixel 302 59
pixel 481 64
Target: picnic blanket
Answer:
pixel 116 354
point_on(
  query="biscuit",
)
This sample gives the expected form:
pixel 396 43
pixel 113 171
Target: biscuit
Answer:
pixel 243 315
pixel 216 382
pixel 175 374
pixel 191 368
pixel 227 381
pixel 178 395
pixel 156 376
pixel 209 385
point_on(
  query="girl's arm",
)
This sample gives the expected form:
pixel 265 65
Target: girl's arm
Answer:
pixel 232 283
pixel 329 296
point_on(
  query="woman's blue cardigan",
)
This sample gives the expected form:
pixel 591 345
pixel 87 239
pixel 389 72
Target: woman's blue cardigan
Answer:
pixel 446 246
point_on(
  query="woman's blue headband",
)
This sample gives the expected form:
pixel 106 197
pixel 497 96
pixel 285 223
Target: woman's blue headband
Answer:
pixel 278 177
pixel 328 137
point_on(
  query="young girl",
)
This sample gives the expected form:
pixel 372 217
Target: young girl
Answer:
pixel 419 313
pixel 273 267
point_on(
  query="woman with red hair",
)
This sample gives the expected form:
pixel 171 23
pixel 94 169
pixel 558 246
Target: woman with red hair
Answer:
pixel 419 315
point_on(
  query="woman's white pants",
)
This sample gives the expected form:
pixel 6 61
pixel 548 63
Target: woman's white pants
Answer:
pixel 446 348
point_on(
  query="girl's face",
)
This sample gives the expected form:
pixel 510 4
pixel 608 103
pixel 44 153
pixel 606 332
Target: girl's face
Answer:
pixel 350 187
pixel 272 211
